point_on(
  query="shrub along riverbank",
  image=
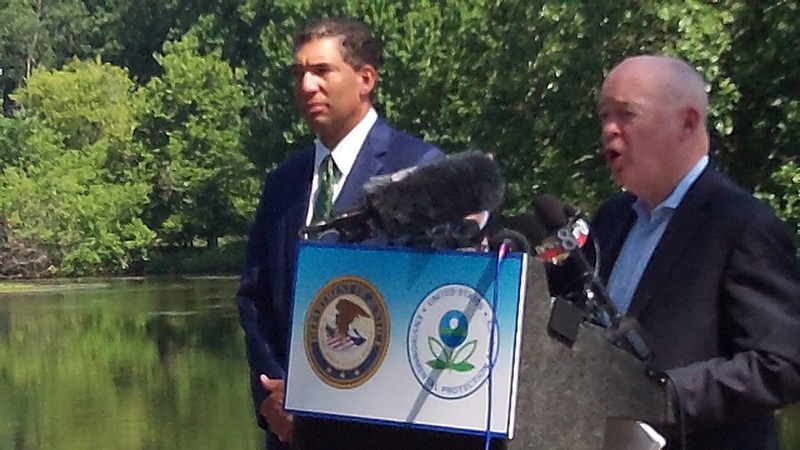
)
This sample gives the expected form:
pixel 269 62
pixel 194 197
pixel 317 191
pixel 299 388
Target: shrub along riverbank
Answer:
pixel 224 259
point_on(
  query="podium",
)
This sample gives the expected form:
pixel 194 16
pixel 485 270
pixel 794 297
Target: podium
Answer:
pixel 416 339
pixel 390 348
pixel 569 398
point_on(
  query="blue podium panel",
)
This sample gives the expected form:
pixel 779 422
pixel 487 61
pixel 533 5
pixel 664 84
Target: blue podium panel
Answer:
pixel 406 337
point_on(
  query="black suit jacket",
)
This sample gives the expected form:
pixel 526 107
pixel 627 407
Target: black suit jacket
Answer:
pixel 264 298
pixel 719 303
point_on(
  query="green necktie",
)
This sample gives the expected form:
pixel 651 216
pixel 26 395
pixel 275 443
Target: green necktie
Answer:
pixel 328 173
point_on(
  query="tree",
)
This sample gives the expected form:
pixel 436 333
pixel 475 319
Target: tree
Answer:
pixel 79 192
pixel 35 33
pixel 128 33
pixel 764 67
pixel 785 197
pixel 202 185
pixel 519 79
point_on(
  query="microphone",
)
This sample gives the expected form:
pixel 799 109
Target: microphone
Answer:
pixel 570 306
pixel 412 201
pixel 565 235
pixel 445 190
pixel 566 232
pixel 570 237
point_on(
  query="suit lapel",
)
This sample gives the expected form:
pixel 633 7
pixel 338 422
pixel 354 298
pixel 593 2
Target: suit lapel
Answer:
pixel 615 238
pixel 298 195
pixel 678 239
pixel 367 164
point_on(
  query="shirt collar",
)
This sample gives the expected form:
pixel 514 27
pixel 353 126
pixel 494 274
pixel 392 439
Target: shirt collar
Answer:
pixel 346 151
pixel 676 197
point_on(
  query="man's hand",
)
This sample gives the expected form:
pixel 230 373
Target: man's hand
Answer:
pixel 271 408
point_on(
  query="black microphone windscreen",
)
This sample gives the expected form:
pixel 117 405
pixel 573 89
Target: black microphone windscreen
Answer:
pixel 529 225
pixel 571 211
pixel 552 212
pixel 445 190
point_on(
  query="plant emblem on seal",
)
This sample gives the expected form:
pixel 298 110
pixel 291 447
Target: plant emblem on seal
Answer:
pixel 449 353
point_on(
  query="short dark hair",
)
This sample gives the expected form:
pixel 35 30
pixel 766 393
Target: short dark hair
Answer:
pixel 359 45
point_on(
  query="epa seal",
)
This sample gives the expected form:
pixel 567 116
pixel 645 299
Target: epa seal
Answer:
pixel 346 332
pixel 448 341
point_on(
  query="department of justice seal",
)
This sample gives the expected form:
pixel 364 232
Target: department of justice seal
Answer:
pixel 346 332
pixel 448 341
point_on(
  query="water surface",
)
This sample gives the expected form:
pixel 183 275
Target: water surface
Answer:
pixel 136 364
pixel 124 364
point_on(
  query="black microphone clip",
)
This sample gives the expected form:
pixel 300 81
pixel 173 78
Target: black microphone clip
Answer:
pixel 353 226
pixel 454 235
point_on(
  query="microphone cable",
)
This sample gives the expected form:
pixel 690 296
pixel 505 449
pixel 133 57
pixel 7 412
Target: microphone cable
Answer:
pixel 502 250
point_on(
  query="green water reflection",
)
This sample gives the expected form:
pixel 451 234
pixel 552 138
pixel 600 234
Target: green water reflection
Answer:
pixel 124 364
pixel 135 364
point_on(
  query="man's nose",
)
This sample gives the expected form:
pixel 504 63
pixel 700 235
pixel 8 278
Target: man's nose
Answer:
pixel 609 130
pixel 309 82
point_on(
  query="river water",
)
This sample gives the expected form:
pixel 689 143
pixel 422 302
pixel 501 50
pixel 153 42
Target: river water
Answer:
pixel 124 364
pixel 136 364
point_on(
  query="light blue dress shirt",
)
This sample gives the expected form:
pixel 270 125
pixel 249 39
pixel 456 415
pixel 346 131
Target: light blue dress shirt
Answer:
pixel 643 238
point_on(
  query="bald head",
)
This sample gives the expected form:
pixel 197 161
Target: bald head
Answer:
pixel 673 80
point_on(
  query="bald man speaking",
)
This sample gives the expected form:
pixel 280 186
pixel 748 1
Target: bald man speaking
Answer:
pixel 710 272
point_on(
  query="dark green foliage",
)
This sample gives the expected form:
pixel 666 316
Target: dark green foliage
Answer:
pixel 518 79
pixel 763 63
pixel 201 183
pixel 784 195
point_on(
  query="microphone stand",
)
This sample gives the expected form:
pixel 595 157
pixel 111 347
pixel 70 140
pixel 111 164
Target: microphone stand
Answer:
pixel 624 329
pixel 621 326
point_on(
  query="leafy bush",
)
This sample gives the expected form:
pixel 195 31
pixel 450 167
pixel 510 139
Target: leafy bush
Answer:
pixel 75 188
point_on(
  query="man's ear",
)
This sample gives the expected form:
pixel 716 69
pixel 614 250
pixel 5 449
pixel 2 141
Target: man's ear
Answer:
pixel 690 120
pixel 368 77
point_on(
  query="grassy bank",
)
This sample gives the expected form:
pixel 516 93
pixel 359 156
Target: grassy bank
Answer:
pixel 7 287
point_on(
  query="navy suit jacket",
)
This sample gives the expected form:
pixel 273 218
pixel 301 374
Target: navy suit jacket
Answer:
pixel 719 303
pixel 264 298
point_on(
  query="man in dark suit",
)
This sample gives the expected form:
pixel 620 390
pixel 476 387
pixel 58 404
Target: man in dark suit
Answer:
pixel 710 272
pixel 335 72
